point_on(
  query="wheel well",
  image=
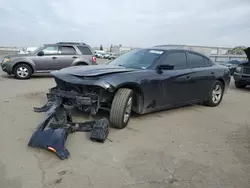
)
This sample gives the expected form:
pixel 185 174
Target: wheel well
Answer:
pixel 22 63
pixel 222 81
pixel 138 99
pixel 81 63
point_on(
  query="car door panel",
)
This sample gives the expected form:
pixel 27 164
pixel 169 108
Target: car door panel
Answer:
pixel 177 84
pixel 67 56
pixel 202 75
pixel 48 61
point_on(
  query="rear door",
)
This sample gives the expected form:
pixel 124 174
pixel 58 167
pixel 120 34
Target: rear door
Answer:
pixel 48 61
pixel 177 85
pixel 202 75
pixel 67 55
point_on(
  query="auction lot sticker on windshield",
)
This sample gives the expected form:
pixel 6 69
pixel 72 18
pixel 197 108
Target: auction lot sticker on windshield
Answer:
pixel 156 51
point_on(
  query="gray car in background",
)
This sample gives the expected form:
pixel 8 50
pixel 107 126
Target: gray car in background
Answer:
pixel 47 58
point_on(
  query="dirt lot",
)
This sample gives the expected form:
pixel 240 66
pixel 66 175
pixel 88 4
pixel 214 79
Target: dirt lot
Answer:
pixel 196 147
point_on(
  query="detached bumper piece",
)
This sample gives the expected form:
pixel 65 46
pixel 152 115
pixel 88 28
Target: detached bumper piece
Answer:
pixel 52 133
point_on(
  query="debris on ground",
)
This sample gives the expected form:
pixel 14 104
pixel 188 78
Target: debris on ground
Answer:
pixel 52 133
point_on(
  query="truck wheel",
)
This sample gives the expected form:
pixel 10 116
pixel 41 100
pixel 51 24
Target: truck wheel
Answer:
pixel 22 71
pixel 240 85
pixel 121 108
pixel 215 95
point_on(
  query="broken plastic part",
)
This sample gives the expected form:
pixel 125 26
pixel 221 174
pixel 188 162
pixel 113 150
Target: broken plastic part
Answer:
pixel 52 133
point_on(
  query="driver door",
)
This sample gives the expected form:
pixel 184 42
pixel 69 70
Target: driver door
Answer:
pixel 176 84
pixel 48 60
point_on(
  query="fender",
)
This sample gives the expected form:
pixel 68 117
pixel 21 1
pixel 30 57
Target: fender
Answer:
pixel 81 60
pixel 139 94
pixel 25 60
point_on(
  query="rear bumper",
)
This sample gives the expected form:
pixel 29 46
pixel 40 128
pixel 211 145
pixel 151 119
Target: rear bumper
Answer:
pixel 244 78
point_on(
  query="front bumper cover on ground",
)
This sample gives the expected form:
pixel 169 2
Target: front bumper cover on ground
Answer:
pixel 51 134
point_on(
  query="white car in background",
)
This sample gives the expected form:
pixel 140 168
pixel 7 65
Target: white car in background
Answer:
pixel 27 50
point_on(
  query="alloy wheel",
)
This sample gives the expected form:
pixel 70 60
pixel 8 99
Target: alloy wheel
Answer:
pixel 217 93
pixel 23 72
pixel 127 110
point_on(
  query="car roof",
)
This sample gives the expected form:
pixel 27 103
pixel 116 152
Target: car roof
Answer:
pixel 165 48
pixel 67 43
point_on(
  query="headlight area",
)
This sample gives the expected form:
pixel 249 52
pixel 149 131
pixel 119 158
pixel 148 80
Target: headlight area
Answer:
pixel 6 60
pixel 238 69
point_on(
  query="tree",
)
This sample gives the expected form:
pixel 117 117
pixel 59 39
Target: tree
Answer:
pixel 101 48
pixel 238 50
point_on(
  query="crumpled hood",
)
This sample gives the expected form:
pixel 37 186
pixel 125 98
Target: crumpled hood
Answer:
pixel 247 51
pixel 94 70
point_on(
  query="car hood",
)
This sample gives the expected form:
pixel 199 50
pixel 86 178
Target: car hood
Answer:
pixel 94 70
pixel 247 51
pixel 17 55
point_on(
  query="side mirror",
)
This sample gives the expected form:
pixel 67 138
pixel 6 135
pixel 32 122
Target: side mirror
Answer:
pixel 41 53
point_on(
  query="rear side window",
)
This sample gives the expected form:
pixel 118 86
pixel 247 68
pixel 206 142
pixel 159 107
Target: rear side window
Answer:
pixel 84 50
pixel 68 50
pixel 178 59
pixel 196 61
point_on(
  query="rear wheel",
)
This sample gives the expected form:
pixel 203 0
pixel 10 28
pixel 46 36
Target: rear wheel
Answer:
pixel 121 108
pixel 22 71
pixel 240 85
pixel 215 95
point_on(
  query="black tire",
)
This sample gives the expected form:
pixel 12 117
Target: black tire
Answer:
pixel 209 101
pixel 118 108
pixel 240 85
pixel 27 68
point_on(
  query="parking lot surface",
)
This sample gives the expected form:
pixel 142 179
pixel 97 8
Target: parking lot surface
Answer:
pixel 195 146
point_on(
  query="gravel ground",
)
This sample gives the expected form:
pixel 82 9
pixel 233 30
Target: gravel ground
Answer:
pixel 196 146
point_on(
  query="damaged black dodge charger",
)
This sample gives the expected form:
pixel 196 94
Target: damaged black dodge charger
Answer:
pixel 143 81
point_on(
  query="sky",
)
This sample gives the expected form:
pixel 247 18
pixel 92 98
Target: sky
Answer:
pixel 137 23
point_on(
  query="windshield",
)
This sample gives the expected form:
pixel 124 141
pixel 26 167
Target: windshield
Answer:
pixel 138 59
pixel 37 50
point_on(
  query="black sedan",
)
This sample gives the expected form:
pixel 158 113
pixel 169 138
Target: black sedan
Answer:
pixel 143 81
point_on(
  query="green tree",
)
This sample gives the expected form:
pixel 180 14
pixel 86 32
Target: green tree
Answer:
pixel 238 50
pixel 101 48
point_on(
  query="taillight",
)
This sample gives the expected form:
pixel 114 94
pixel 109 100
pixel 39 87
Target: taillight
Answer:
pixel 94 59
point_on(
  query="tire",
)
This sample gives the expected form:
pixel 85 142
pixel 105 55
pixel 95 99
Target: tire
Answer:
pixel 122 101
pixel 22 71
pixel 240 85
pixel 215 94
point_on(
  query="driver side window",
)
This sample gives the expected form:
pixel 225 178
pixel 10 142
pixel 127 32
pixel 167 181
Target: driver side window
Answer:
pixel 178 59
pixel 50 50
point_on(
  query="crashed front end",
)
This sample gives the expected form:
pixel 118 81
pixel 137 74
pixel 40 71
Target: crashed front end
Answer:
pixel 88 94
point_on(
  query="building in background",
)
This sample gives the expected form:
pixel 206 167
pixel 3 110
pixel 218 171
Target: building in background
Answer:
pixel 217 54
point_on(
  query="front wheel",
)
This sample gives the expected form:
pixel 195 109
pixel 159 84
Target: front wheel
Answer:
pixel 121 108
pixel 215 95
pixel 22 71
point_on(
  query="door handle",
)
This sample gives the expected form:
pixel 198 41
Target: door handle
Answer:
pixel 188 77
pixel 212 73
pixel 74 57
pixel 54 57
